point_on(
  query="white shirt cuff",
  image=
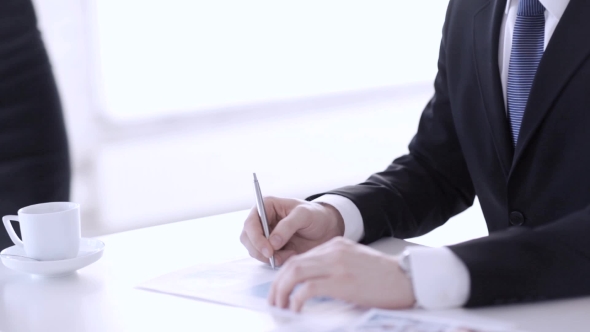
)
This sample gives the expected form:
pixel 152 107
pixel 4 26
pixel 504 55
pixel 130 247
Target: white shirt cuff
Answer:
pixel 440 279
pixel 353 221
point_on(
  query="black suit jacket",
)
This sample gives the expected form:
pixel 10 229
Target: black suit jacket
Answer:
pixel 34 161
pixel 535 198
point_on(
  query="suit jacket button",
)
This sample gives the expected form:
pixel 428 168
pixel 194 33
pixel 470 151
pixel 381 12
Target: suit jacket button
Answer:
pixel 516 218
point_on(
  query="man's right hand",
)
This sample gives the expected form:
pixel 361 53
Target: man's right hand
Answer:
pixel 296 226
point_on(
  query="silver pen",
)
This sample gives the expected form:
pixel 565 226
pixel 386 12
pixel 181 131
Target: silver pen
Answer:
pixel 262 214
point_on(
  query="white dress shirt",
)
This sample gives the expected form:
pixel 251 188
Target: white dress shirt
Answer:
pixel 440 279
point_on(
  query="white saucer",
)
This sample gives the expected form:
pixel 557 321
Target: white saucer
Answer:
pixel 90 251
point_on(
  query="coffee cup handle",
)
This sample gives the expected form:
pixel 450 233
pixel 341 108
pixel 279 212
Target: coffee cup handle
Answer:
pixel 6 220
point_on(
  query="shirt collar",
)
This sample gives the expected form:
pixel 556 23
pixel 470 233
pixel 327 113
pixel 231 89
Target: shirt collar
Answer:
pixel 554 7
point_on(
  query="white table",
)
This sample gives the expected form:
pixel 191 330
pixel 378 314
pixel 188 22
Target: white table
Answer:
pixel 103 297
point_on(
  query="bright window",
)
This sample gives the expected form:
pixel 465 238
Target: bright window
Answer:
pixel 161 57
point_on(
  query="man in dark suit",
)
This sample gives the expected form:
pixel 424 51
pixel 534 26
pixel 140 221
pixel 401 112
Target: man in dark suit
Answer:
pixel 34 160
pixel 509 123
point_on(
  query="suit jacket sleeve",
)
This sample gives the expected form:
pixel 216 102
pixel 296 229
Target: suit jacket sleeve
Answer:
pixel 421 190
pixel 530 264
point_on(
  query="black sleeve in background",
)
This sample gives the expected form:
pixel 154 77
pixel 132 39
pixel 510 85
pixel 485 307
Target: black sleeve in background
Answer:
pixel 34 159
pixel 423 189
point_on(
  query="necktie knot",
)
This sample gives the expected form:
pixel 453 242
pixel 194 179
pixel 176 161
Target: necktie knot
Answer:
pixel 530 8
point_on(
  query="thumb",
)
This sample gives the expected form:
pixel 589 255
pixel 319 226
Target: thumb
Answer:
pixel 288 226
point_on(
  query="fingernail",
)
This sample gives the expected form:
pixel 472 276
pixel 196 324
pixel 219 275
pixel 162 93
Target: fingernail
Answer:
pixel 266 252
pixel 276 241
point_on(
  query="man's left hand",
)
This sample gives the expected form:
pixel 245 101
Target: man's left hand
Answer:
pixel 343 270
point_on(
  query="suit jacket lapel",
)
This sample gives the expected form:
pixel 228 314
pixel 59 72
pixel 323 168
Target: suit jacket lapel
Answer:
pixel 568 48
pixel 486 34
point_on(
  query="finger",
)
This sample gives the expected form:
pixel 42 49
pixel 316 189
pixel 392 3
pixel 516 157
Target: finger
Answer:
pixel 292 274
pixel 281 256
pixel 286 270
pixel 313 288
pixel 284 230
pixel 251 249
pixel 255 234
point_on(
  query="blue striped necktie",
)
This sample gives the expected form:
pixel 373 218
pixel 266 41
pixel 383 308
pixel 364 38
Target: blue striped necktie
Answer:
pixel 527 49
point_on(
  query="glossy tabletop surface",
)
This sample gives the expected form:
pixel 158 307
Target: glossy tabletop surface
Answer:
pixel 104 297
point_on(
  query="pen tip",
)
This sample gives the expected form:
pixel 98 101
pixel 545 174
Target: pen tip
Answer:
pixel 255 179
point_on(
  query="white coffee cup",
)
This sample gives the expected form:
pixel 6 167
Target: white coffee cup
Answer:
pixel 50 231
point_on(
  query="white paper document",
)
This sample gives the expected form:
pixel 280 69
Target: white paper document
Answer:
pixel 377 320
pixel 246 283
pixel 243 283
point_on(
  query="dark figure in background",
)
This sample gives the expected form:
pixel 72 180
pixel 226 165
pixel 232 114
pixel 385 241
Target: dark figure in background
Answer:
pixel 34 159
